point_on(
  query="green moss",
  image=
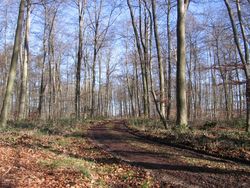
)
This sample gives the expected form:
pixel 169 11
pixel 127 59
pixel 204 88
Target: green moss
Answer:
pixel 146 184
pixel 128 175
pixel 66 162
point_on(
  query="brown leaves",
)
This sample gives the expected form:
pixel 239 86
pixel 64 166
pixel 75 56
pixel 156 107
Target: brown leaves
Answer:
pixel 32 159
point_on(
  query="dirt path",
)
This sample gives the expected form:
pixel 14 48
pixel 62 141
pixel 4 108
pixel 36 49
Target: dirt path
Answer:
pixel 170 166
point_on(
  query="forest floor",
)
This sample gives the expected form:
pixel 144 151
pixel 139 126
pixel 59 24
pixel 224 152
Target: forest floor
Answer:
pixel 55 155
pixel 105 154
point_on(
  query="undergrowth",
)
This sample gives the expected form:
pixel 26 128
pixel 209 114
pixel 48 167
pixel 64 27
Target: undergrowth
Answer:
pixel 54 127
pixel 226 137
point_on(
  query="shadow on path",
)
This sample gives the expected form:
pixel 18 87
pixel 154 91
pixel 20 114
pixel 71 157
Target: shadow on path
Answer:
pixel 164 160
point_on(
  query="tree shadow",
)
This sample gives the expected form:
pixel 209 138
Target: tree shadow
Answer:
pixel 117 157
pixel 189 148
pixel 188 168
pixel 103 137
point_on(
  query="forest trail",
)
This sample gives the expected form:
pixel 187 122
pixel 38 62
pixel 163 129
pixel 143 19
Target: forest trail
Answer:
pixel 169 165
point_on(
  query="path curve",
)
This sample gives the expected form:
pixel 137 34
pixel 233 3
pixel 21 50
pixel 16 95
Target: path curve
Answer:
pixel 169 165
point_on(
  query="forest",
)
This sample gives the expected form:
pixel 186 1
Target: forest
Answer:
pixel 124 93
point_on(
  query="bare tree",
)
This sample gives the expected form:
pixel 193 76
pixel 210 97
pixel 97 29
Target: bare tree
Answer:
pixel 142 57
pixel 100 36
pixel 13 65
pixel 169 84
pixel 81 10
pixel 42 81
pixel 160 64
pixel 23 92
pixel 181 63
pixel 244 57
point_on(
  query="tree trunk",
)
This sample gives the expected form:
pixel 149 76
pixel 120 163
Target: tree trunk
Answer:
pixel 190 86
pixel 169 62
pixel 137 87
pixel 12 71
pixel 160 65
pixel 23 92
pixel 213 77
pixel 93 81
pixel 96 49
pixel 246 50
pixel 107 93
pixel 181 64
pixel 99 105
pixel 81 5
pixel 42 83
pixel 51 60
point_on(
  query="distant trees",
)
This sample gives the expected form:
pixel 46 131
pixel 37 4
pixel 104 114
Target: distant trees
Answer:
pixel 209 72
pixel 143 33
pixel 243 50
pixel 81 58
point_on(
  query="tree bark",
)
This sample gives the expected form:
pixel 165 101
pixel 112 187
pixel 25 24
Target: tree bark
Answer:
pixel 181 64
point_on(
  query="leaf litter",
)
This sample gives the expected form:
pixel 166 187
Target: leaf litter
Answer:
pixel 30 158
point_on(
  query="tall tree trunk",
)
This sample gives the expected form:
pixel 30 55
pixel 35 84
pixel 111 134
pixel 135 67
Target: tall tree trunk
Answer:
pixel 137 87
pixel 6 59
pixel 42 83
pixel 213 77
pixel 93 80
pixel 239 88
pixel 129 83
pixel 99 110
pixel 181 64
pixel 107 89
pixel 190 86
pixel 51 61
pixel 13 65
pixel 81 5
pixel 160 64
pixel 23 92
pixel 247 63
pixel 169 61
pixel 96 49
pixel 144 65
